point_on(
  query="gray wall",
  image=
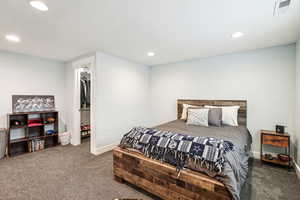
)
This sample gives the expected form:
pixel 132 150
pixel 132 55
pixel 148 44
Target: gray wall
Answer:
pixel 265 78
pixel 21 74
pixel 297 117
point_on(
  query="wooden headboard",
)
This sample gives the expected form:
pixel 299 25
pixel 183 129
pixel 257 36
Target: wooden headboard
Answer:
pixel 242 115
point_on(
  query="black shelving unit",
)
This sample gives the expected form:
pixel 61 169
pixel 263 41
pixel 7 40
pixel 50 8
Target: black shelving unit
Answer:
pixel 26 137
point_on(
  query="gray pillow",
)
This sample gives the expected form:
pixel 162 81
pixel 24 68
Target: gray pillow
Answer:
pixel 215 117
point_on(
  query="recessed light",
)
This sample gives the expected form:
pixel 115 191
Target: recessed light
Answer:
pixel 237 35
pixel 40 5
pixel 12 38
pixel 151 54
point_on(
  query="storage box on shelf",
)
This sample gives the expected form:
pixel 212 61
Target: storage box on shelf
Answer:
pixel 32 131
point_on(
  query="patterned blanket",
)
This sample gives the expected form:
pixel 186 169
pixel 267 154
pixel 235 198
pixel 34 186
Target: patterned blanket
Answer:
pixel 176 149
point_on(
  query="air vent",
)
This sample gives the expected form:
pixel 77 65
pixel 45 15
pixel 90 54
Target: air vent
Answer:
pixel 281 7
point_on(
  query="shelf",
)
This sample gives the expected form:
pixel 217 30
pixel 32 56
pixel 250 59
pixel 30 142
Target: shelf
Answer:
pixel 275 161
pixel 43 136
pixel 48 123
pixel 25 126
pixel 16 127
pixel 274 133
pixel 51 135
pixel 85 136
pixel 84 109
pixel 35 126
pixel 32 138
pixel 31 113
pixel 26 152
pixel 18 140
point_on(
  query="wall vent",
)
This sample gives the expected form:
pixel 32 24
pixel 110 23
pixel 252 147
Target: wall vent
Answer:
pixel 281 7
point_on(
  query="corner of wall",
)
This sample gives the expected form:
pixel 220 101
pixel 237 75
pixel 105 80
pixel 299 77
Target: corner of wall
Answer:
pixel 101 150
pixel 297 110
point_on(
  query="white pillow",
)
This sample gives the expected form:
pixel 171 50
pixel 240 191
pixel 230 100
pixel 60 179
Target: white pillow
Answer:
pixel 197 117
pixel 184 111
pixel 229 114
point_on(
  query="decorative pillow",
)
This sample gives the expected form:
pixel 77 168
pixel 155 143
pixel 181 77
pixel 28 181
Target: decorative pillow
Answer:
pixel 229 114
pixel 197 116
pixel 215 117
pixel 184 111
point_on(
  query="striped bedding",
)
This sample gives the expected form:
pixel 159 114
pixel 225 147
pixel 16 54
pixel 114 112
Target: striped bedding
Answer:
pixel 177 149
pixel 235 169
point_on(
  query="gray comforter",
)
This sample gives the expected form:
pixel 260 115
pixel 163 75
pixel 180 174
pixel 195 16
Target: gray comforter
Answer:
pixel 236 165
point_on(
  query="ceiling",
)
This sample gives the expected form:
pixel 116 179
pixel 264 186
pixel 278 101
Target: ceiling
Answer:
pixel 175 30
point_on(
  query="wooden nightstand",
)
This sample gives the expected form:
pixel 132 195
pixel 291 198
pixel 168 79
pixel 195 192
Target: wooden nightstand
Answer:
pixel 278 140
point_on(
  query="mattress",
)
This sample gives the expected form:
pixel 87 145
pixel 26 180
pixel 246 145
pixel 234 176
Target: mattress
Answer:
pixel 235 170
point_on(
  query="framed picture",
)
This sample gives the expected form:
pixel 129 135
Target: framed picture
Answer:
pixel 32 103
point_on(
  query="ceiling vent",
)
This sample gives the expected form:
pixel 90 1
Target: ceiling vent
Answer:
pixel 281 7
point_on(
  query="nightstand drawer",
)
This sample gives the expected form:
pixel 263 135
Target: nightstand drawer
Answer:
pixel 275 140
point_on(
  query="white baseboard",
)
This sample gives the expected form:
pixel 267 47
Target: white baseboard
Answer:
pixel 297 169
pixel 255 154
pixel 106 148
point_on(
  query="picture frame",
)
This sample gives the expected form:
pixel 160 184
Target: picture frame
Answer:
pixel 32 103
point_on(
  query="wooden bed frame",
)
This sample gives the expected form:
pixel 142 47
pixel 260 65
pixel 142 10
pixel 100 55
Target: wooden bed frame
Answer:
pixel 161 179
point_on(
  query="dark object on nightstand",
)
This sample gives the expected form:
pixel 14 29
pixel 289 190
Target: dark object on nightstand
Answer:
pixel 278 140
pixel 283 157
pixel 280 129
pixel 269 156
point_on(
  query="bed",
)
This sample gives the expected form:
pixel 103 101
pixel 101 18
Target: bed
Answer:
pixel 164 181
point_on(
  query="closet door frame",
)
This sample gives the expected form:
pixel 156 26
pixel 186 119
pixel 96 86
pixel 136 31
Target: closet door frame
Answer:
pixel 88 62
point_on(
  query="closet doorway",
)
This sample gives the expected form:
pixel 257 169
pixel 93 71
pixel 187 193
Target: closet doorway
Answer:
pixel 85 104
pixel 82 123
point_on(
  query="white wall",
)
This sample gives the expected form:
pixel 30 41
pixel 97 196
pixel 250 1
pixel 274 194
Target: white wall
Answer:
pixel 69 94
pixel 21 74
pixel 122 98
pixel 297 116
pixel 265 78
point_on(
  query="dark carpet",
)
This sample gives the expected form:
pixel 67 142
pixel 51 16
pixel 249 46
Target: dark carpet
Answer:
pixel 72 173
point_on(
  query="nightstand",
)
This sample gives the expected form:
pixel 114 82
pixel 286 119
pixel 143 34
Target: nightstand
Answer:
pixel 278 140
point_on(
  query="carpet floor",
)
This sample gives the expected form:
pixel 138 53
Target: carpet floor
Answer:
pixel 72 173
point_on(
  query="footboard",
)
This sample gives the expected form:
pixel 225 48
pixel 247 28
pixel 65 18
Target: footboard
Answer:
pixel 162 180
